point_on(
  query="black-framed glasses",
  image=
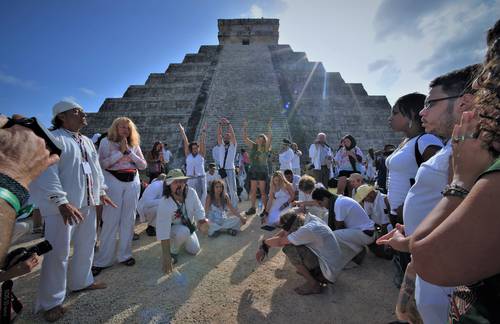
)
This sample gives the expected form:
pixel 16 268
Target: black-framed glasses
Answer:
pixel 428 103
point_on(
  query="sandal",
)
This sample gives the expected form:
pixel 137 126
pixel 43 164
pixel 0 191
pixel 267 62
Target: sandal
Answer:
pixel 130 262
pixel 97 270
pixel 94 286
pixel 54 314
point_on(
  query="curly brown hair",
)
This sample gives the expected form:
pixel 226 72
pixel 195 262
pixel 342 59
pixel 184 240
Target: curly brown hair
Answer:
pixel 488 95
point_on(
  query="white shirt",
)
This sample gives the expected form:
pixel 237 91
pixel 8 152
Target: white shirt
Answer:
pixel 65 181
pixel 402 166
pixel 195 165
pixel 167 155
pixel 342 160
pixel 285 159
pixel 376 210
pixel 315 154
pixel 165 216
pixel 296 161
pixel 319 238
pixel 348 210
pixel 218 153
pixel 431 178
pixel 151 196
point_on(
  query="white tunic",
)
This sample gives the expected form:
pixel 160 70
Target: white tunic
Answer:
pixel 195 165
pixel 285 159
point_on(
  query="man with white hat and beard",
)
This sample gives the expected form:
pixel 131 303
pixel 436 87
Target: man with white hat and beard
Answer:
pixel 67 195
pixel 177 212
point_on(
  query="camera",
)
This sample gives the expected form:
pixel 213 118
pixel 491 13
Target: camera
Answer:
pixel 32 123
pixel 23 254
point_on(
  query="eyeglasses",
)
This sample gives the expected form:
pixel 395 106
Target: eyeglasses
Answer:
pixel 429 103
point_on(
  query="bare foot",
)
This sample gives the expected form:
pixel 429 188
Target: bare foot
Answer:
pixel 308 289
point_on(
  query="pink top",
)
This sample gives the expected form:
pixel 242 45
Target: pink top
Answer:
pixel 111 158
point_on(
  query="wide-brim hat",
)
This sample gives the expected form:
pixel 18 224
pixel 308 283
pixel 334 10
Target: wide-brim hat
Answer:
pixel 175 174
pixel 362 192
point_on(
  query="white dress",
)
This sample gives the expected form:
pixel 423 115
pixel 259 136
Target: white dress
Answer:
pixel 280 197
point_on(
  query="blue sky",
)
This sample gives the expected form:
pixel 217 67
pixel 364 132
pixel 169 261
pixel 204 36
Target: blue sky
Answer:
pixel 94 49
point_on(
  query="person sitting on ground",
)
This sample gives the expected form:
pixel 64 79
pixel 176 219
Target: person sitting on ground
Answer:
pixel 306 186
pixel 216 206
pixel 148 204
pixel 212 175
pixel 348 160
pixel 310 246
pixel 350 223
pixel 281 195
pixel 294 180
pixel 175 219
pixel 375 204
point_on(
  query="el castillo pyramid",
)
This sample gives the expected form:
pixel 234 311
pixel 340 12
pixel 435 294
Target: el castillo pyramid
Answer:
pixel 249 75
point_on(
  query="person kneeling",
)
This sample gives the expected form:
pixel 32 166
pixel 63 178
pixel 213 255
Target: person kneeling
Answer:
pixel 216 208
pixel 175 219
pixel 310 246
pixel 350 224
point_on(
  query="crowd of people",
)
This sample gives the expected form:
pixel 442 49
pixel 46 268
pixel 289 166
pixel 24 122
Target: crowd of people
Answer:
pixel 430 203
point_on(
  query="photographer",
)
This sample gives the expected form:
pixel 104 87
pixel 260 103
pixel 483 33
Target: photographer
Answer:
pixel 310 246
pixel 23 156
pixel 20 269
pixel 175 219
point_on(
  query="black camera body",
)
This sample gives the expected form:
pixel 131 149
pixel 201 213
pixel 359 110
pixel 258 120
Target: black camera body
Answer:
pixel 32 123
pixel 23 254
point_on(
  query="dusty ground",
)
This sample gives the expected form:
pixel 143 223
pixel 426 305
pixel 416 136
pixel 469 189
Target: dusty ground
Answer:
pixel 223 284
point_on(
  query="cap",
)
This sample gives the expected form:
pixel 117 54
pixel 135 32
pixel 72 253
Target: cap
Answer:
pixel 362 192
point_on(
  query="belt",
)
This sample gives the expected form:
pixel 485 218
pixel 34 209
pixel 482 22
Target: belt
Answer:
pixel 369 232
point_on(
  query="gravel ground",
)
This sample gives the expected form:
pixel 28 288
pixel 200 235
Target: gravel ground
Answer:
pixel 223 284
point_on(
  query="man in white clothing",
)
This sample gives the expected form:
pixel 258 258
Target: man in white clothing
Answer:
pixel 296 159
pixel 175 219
pixel 374 203
pixel 350 223
pixel 449 96
pixel 224 154
pixel 148 204
pixel 286 156
pixel 321 157
pixel 67 196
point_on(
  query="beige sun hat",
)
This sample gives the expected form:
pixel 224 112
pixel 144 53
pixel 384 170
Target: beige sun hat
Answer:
pixel 362 192
pixel 175 174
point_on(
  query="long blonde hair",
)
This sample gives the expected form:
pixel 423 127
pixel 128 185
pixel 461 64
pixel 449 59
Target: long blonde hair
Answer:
pixel 283 181
pixel 134 139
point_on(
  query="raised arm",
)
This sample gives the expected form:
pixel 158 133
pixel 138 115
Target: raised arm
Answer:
pixel 232 135
pixel 219 133
pixel 247 141
pixel 184 140
pixel 269 135
pixel 203 137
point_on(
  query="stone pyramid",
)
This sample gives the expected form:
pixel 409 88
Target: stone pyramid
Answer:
pixel 249 75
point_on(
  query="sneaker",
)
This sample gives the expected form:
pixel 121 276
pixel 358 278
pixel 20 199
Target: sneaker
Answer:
pixel 250 211
pixel 151 230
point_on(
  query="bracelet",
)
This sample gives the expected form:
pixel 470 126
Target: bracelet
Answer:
pixel 11 199
pixel 15 188
pixel 455 191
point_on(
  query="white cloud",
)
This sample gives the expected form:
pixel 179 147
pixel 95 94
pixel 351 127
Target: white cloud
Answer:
pixel 256 11
pixel 346 37
pixel 88 92
pixel 14 81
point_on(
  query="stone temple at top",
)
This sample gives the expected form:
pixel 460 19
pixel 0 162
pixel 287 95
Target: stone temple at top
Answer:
pixel 249 75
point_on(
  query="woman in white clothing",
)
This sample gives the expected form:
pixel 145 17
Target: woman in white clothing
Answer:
pixel 120 156
pixel 195 162
pixel 216 207
pixel 348 160
pixel 281 196
pixel 416 148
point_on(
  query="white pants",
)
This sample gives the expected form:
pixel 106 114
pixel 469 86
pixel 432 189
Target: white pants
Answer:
pixel 232 222
pixel 148 214
pixel 179 236
pixel 230 182
pixel 199 184
pixel 54 274
pixel 119 220
pixel 432 301
pixel 351 242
